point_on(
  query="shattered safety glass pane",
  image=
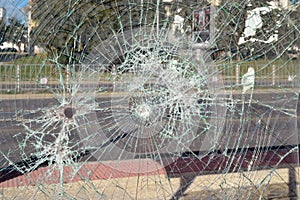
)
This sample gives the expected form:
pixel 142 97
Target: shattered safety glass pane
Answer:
pixel 149 99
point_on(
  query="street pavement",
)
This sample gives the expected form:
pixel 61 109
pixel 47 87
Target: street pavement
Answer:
pixel 272 110
pixel 268 110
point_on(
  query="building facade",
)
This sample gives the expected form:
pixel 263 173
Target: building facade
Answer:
pixel 2 13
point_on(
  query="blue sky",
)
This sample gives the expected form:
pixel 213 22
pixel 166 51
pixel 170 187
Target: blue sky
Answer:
pixel 14 8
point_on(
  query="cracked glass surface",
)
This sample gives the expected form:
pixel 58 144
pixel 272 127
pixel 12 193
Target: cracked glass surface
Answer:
pixel 149 99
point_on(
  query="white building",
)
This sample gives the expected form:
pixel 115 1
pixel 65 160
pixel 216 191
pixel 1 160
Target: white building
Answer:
pixel 2 13
pixel 284 3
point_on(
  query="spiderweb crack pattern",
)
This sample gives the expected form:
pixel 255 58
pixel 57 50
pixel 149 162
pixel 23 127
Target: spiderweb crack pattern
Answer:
pixel 152 100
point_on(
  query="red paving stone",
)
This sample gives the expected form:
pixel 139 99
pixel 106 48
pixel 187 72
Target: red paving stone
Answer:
pixel 129 168
pixel 87 171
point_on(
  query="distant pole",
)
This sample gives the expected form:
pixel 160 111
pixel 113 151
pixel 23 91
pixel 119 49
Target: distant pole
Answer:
pixel 273 75
pixel 18 71
pixel 212 25
pixel 30 24
pixel 68 78
pixel 237 74
pixel 157 18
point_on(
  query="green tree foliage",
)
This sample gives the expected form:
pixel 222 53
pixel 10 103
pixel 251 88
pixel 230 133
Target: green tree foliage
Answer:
pixel 15 32
pixel 291 28
pixel 230 23
pixel 68 30
pixel 3 29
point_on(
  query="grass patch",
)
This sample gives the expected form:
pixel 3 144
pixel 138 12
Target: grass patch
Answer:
pixel 27 72
pixel 37 59
pixel 28 68
pixel 263 68
pixel 33 68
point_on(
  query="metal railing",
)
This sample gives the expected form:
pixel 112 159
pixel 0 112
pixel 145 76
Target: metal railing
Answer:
pixel 22 78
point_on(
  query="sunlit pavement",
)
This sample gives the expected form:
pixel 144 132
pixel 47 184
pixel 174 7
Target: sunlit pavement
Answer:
pixel 248 185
